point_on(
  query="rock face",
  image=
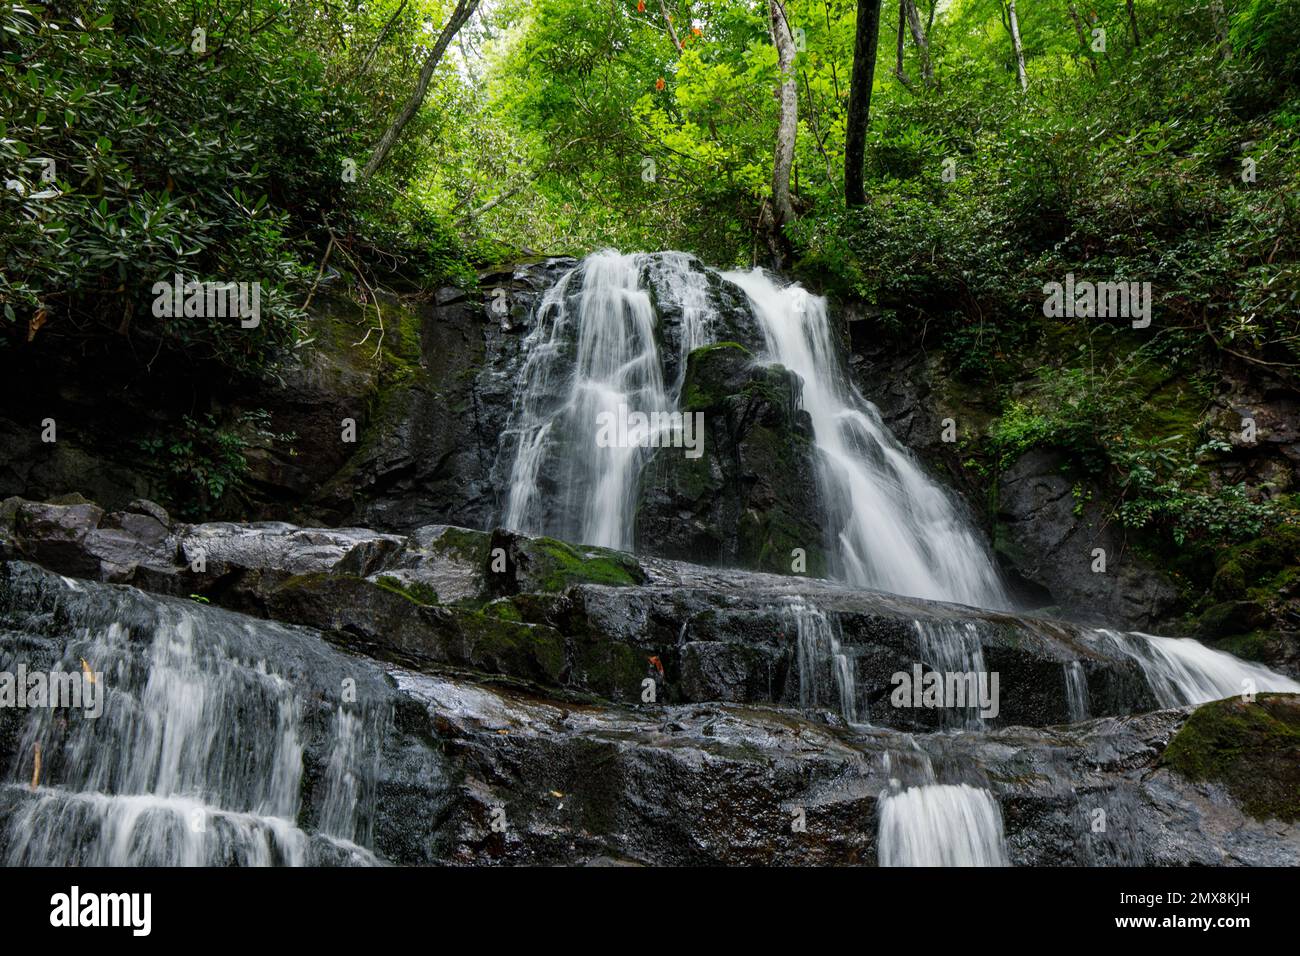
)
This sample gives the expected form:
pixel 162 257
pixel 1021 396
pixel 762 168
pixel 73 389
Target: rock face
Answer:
pixel 583 621
pixel 481 747
pixel 750 498
pixel 428 450
pixel 1043 536
pixel 1053 541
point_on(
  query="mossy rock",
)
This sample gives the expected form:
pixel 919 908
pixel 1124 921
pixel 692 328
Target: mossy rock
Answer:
pixel 1229 581
pixel 505 609
pixel 463 544
pixel 547 564
pixel 499 646
pixel 711 373
pixel 1252 646
pixel 1252 749
pixel 416 592
pixel 1232 617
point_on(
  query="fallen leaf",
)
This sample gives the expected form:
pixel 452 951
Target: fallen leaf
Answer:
pixel 35 322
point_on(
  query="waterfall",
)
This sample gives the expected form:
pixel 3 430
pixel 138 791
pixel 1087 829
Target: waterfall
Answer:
pixel 1076 691
pixel 940 825
pixel 590 352
pixel 822 663
pixel 1182 671
pixel 953 647
pixel 197 759
pixel 594 348
pixel 895 529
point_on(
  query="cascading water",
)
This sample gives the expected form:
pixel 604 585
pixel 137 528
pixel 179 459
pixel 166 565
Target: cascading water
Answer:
pixel 894 529
pixel 954 648
pixel 197 758
pixel 591 352
pixel 941 825
pixel 1076 691
pixel 594 348
pixel 822 663
pixel 1182 671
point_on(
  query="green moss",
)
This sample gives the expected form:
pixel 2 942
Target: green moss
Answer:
pixel 613 670
pixel 509 647
pixel 1252 646
pixel 414 591
pixel 703 386
pixel 1252 749
pixel 504 608
pixel 464 544
pixel 401 346
pixel 316 580
pixel 1229 581
pixel 554 566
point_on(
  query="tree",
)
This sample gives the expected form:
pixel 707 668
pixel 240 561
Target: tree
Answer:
pixel 898 53
pixel 866 35
pixel 782 210
pixel 1133 22
pixel 1014 26
pixel 1083 38
pixel 922 44
pixel 459 16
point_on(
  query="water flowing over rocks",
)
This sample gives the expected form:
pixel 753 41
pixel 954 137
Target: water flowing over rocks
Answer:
pixel 517 695
pixel 513 644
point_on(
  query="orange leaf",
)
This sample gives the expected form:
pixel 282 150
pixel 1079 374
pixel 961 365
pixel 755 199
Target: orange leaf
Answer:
pixel 35 322
pixel 659 83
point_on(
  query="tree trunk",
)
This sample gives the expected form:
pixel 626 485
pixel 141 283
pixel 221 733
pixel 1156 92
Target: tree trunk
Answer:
pixel 464 10
pixel 1133 22
pixel 788 93
pixel 866 35
pixel 1083 37
pixel 922 44
pixel 898 60
pixel 1221 29
pixel 1015 42
pixel 379 40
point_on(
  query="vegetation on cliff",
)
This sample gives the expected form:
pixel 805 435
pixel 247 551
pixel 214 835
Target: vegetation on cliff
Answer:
pixel 317 149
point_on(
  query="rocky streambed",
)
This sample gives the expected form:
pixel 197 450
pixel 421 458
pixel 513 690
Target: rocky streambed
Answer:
pixel 278 694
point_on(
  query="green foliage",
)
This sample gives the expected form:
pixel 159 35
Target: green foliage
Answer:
pixel 203 461
pixel 134 150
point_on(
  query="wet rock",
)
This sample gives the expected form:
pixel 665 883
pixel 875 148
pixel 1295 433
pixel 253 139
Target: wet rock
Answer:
pixel 461 771
pixel 749 497
pixel 516 563
pixel 1250 747
pixel 55 535
pixel 426 456
pixel 1051 539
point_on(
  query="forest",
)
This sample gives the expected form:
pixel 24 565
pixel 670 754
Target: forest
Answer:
pixel 402 145
pixel 987 302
